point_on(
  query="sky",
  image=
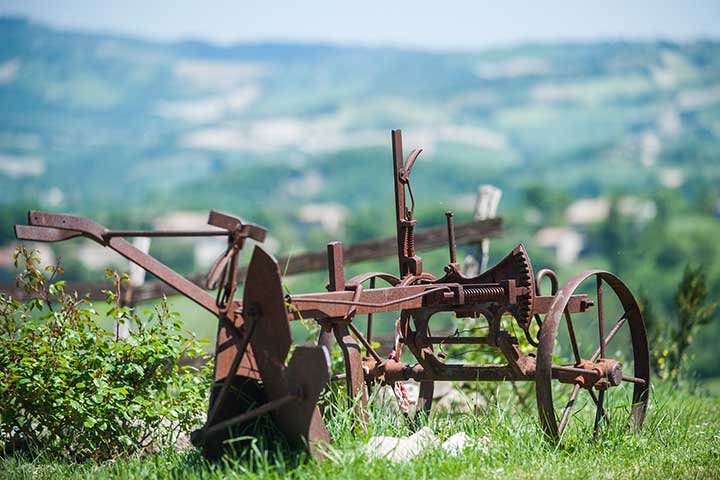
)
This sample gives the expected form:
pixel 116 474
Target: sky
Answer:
pixel 437 25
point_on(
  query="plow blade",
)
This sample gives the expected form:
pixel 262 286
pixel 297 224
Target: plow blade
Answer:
pixel 289 393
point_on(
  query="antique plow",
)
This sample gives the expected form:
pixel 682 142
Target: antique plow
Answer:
pixel 574 347
pixel 507 291
pixel 250 376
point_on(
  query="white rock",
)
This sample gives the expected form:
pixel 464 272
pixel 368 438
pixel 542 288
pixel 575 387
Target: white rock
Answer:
pixel 400 449
pixel 456 443
pixel 457 401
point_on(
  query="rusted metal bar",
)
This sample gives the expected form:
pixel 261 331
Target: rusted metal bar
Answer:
pixel 370 319
pixel 245 417
pixel 460 340
pixel 232 372
pixel 166 233
pixel 451 237
pixel 368 348
pixel 97 232
pixel 398 371
pixel 425 239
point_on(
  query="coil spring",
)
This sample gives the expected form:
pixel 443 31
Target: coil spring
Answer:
pixel 479 293
pixel 410 241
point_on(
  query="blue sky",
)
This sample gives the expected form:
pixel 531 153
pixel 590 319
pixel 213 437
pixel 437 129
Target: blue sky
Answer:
pixel 439 24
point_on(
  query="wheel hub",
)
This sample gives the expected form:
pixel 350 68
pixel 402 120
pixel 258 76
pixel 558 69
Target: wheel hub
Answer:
pixel 612 373
pixel 603 374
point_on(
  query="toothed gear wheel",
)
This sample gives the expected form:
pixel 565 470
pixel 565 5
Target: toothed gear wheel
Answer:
pixel 515 266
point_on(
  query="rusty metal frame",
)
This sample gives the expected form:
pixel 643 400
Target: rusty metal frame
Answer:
pixel 507 289
pixel 248 346
pixel 251 374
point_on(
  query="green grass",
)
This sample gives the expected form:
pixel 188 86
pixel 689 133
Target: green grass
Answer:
pixel 711 386
pixel 681 439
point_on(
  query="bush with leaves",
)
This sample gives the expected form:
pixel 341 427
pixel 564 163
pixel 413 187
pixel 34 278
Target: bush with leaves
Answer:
pixel 693 308
pixel 71 388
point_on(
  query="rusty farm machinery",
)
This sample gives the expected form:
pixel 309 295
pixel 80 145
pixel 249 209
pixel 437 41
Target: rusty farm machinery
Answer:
pixel 576 357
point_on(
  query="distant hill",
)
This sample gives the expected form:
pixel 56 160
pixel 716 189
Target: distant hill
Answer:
pixel 612 148
pixel 91 121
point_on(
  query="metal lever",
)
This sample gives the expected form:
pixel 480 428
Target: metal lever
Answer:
pixel 404 173
pixel 233 223
pixel 43 234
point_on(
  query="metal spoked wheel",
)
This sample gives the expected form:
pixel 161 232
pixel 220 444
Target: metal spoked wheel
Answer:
pixel 609 339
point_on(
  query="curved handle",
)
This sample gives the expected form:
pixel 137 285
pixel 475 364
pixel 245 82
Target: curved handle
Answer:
pixel 405 172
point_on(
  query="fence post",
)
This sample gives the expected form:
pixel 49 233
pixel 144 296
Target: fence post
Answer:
pixel 136 279
pixel 478 254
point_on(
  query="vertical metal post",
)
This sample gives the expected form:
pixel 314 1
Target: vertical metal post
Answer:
pixel 370 319
pixel 601 318
pixel 336 267
pixel 451 237
pixel 354 374
pixel 400 207
pixel 336 282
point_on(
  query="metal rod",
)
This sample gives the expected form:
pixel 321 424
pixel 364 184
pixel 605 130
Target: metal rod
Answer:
pixel 639 381
pixel 365 343
pixel 578 371
pixel 370 318
pixel 599 412
pixel 571 333
pixel 459 340
pixel 451 236
pixel 597 403
pixel 568 408
pixel 398 160
pixel 165 233
pixel 601 319
pixel 241 348
pixel 610 336
pixel 478 373
pixel 292 299
pixel 336 267
pixel 244 417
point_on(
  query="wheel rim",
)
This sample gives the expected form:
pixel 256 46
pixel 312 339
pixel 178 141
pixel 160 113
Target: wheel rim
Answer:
pixel 556 344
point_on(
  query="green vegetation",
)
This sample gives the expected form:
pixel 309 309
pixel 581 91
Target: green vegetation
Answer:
pixel 680 440
pixel 95 398
pixel 125 130
pixel 71 389
pixel 692 311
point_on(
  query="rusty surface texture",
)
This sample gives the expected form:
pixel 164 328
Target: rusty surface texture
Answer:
pixel 252 378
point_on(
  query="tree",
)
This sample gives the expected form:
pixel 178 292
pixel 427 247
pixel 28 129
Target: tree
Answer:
pixel 692 310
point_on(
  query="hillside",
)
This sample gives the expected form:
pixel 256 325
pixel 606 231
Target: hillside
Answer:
pixel 92 120
pixel 126 130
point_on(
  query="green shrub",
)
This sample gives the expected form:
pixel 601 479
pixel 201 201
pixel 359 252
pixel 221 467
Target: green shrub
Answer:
pixel 70 388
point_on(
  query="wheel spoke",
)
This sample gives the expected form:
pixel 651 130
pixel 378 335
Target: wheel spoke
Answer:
pixel 599 413
pixel 571 333
pixel 639 381
pixel 610 336
pixel 568 408
pixel 596 400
